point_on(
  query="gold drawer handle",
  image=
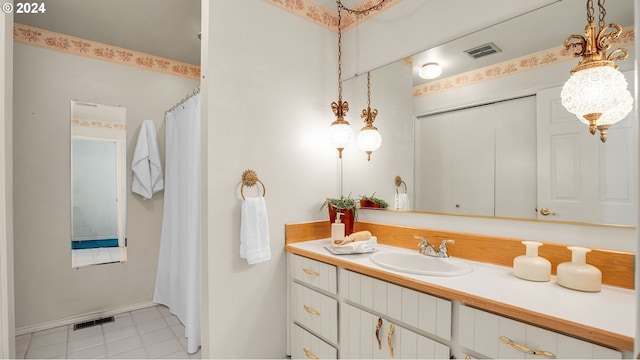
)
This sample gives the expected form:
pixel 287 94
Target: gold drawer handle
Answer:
pixel 378 333
pixel 389 335
pixel 308 354
pixel 310 272
pixel 311 311
pixel 525 349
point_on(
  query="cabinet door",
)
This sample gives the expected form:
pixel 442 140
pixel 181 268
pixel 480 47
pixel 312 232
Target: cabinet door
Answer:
pixel 498 337
pixel 315 311
pixel 305 345
pixel 367 336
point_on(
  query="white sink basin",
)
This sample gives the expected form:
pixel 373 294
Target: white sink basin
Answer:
pixel 419 264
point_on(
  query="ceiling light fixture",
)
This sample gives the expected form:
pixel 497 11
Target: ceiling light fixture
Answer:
pixel 369 139
pixel 340 131
pixel 596 91
pixel 430 70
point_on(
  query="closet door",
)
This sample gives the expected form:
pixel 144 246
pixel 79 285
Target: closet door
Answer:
pixel 579 177
pixel 434 163
pixel 515 194
pixel 473 161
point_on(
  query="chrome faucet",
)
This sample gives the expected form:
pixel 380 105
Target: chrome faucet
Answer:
pixel 427 249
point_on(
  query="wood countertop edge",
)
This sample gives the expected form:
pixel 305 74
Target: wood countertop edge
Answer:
pixel 598 336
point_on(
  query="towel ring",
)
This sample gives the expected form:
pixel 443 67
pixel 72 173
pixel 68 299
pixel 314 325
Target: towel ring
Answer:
pixel 399 182
pixel 249 179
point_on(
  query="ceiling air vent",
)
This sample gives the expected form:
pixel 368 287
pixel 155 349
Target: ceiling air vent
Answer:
pixel 483 50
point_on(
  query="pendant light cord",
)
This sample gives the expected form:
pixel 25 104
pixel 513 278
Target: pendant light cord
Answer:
pixel 591 12
pixel 339 52
pixel 368 90
pixel 357 12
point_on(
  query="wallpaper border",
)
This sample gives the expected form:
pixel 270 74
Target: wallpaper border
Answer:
pixel 28 35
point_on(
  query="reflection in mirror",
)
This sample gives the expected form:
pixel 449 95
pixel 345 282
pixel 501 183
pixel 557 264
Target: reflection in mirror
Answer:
pixel 489 115
pixel 98 196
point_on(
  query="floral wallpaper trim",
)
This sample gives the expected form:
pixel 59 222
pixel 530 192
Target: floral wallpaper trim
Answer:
pixel 97 124
pixel 28 35
pixel 328 18
pixel 533 61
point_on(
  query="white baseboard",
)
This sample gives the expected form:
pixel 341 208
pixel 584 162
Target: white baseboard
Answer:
pixel 84 317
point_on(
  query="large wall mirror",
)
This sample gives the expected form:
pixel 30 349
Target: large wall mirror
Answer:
pixel 503 145
pixel 98 195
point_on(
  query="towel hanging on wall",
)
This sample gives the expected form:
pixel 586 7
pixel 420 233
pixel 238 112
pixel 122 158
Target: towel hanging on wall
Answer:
pixel 254 224
pixel 147 170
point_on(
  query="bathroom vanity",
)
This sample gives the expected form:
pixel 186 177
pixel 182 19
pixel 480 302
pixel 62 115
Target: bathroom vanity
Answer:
pixel 346 306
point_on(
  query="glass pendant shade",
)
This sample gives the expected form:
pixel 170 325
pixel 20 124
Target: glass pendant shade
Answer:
pixel 340 135
pixel 623 107
pixel 593 90
pixel 369 140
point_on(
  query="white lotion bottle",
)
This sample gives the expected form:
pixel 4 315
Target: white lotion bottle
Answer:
pixel 531 266
pixel 577 274
pixel 337 228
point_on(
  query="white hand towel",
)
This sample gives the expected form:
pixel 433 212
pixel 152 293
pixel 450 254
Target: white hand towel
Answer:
pixel 254 231
pixel 147 170
pixel 356 247
pixel 401 202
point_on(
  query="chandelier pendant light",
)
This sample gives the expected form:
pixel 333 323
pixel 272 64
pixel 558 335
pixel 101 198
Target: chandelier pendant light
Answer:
pixel 596 92
pixel 340 131
pixel 369 139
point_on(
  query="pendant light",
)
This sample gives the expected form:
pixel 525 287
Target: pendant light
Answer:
pixel 340 131
pixel 596 91
pixel 369 139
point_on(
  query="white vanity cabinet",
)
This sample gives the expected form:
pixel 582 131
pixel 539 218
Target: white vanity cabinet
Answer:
pixel 364 335
pixel 313 308
pixel 383 320
pixel 491 336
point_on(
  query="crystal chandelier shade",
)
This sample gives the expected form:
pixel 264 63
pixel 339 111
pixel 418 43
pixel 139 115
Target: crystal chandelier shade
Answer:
pixel 596 92
pixel 369 140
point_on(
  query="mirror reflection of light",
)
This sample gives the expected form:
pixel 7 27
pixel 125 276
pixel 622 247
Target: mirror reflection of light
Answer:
pixel 430 70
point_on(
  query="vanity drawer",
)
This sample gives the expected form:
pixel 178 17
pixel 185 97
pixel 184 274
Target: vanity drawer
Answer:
pixel 481 332
pixel 423 311
pixel 305 345
pixel 315 311
pixel 314 273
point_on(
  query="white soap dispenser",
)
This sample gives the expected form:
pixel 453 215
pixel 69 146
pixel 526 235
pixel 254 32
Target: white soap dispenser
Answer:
pixel 337 228
pixel 577 274
pixel 531 266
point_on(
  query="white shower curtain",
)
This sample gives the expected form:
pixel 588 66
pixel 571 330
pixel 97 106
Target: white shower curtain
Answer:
pixel 178 278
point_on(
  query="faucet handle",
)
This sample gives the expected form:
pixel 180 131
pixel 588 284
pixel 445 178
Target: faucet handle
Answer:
pixel 443 247
pixel 448 241
pixel 423 240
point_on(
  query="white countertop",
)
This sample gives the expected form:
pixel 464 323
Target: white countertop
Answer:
pixel 612 309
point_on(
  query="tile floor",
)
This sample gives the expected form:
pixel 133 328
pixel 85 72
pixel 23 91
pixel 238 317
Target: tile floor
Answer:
pixel 142 334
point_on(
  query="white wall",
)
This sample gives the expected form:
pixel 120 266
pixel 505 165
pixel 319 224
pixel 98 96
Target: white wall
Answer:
pixel 268 84
pixel 47 288
pixel 7 317
pixel 391 94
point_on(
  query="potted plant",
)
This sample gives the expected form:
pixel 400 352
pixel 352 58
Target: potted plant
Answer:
pixel 344 205
pixel 372 202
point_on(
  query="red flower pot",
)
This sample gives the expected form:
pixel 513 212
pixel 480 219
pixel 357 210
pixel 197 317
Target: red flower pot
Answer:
pixel 369 204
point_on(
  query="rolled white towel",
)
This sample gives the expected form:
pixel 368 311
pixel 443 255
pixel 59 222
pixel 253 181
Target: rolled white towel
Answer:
pixel 355 247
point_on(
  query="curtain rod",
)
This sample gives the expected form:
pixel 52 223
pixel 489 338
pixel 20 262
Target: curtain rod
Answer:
pixel 194 92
